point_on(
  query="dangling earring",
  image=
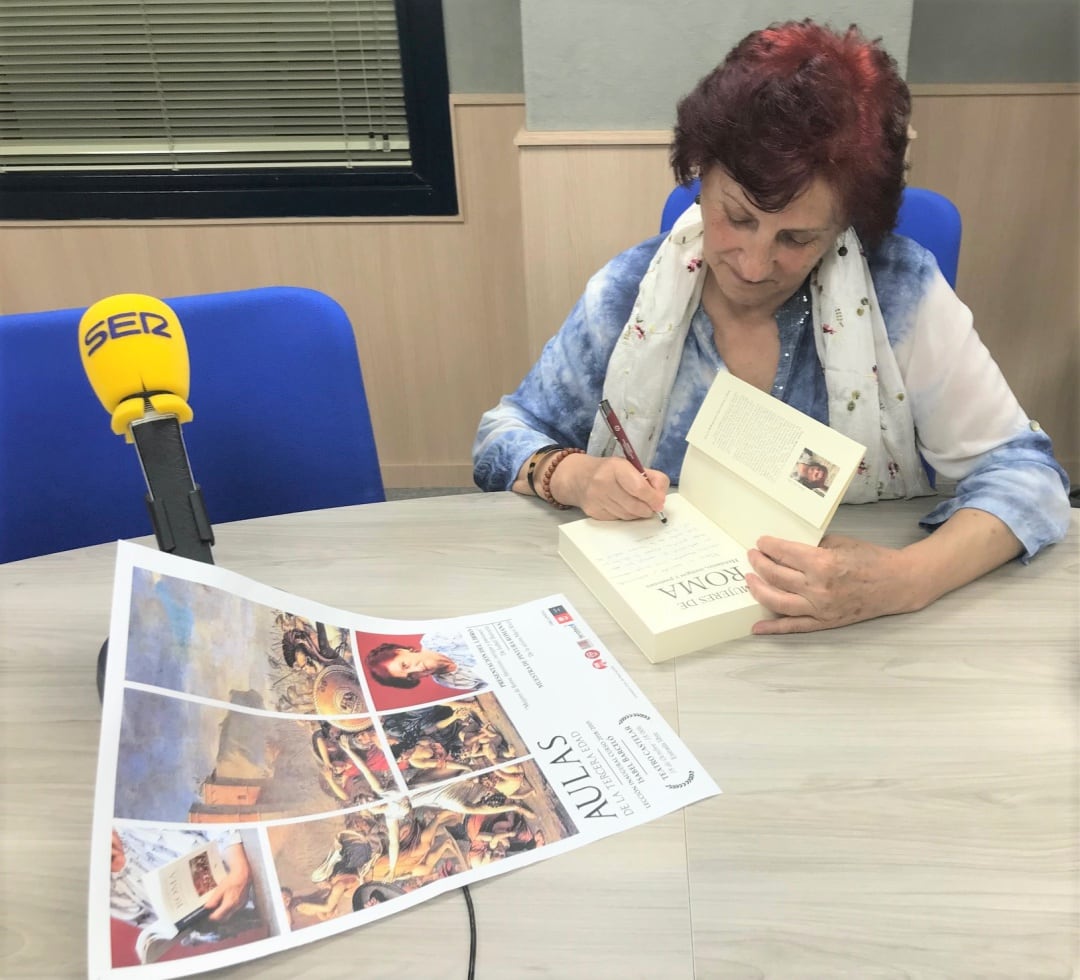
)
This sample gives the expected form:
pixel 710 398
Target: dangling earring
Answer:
pixel 842 250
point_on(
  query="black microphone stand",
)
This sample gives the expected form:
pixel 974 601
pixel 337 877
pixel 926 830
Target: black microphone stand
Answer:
pixel 174 500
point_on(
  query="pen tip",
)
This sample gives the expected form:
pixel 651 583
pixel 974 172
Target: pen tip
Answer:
pixel 662 516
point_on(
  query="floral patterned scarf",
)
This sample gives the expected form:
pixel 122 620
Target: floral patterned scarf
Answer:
pixel 866 395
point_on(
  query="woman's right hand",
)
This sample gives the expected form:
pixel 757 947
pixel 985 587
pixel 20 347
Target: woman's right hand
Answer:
pixel 608 488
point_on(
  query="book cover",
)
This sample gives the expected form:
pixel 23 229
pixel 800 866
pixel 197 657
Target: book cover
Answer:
pixel 754 466
pixel 178 890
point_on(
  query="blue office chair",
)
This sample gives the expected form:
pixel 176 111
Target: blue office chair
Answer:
pixel 929 218
pixel 934 222
pixel 281 421
pixel 680 198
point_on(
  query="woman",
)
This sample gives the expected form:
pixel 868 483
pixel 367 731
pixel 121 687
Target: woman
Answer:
pixel 786 275
pixel 445 658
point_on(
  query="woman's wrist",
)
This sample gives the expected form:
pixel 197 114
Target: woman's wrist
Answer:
pixel 538 471
pixel 969 544
pixel 527 480
pixel 549 470
pixel 565 481
pixel 536 465
pixel 907 587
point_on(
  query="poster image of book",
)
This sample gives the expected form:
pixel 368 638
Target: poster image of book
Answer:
pixel 331 868
pixel 440 741
pixel 408 669
pixel 178 894
pixel 256 792
pixel 187 761
pixel 206 642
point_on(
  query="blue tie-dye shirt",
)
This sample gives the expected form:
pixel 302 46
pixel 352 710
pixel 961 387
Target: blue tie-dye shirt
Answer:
pixel 1003 462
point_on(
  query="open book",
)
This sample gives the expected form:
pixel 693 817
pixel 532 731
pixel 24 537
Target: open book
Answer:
pixel 177 890
pixel 753 466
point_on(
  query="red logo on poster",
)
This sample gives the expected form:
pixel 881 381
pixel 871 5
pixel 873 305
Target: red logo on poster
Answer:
pixel 560 614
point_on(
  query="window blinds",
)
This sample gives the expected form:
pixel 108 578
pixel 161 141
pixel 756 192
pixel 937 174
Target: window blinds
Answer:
pixel 166 86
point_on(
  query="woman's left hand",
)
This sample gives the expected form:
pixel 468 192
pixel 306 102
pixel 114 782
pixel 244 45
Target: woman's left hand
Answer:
pixel 841 581
pixel 844 580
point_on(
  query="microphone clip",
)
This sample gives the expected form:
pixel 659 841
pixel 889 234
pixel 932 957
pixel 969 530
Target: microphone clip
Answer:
pixel 175 502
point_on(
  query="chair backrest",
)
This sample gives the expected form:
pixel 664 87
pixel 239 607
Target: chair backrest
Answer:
pixel 933 221
pixel 680 198
pixel 281 421
pixel 926 216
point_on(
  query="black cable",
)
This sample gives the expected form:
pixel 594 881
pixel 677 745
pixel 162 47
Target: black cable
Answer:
pixel 472 931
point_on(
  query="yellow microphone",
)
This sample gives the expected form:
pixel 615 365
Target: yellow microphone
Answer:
pixel 135 356
pixel 136 359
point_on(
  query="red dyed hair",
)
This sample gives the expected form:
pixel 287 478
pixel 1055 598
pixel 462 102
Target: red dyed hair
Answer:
pixel 797 101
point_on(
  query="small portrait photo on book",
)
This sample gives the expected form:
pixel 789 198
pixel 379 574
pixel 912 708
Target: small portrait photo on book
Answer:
pixel 814 472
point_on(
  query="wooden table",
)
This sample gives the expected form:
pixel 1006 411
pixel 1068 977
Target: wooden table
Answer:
pixel 900 797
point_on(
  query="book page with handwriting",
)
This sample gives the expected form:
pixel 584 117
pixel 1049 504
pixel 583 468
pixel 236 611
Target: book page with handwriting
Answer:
pixel 668 574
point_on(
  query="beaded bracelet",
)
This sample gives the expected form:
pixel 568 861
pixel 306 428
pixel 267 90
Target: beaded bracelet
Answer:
pixel 533 460
pixel 545 483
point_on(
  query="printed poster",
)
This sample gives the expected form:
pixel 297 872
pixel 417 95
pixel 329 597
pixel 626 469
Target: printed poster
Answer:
pixel 273 771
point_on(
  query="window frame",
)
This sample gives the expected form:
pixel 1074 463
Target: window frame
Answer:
pixel 427 188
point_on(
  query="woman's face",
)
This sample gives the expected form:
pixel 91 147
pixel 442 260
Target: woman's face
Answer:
pixel 407 663
pixel 759 258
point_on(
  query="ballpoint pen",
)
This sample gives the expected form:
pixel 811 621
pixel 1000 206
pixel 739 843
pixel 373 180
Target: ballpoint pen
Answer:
pixel 621 437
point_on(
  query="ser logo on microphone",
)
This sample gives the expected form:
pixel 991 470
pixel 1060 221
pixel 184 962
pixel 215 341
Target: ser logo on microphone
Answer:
pixel 127 324
pixel 136 359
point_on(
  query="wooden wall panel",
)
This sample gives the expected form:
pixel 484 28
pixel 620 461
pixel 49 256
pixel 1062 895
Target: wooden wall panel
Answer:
pixel 1011 162
pixel 580 206
pixel 438 305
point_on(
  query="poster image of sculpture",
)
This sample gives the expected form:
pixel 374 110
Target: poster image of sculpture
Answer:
pixel 176 894
pixel 197 639
pixel 187 761
pixel 442 741
pixel 349 863
pixel 408 669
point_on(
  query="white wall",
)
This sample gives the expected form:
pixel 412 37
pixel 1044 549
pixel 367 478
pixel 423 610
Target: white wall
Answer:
pixel 483 45
pixel 623 64
pixel 983 41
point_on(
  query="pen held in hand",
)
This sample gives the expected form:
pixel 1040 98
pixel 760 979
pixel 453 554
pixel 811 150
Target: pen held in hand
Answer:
pixel 623 440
